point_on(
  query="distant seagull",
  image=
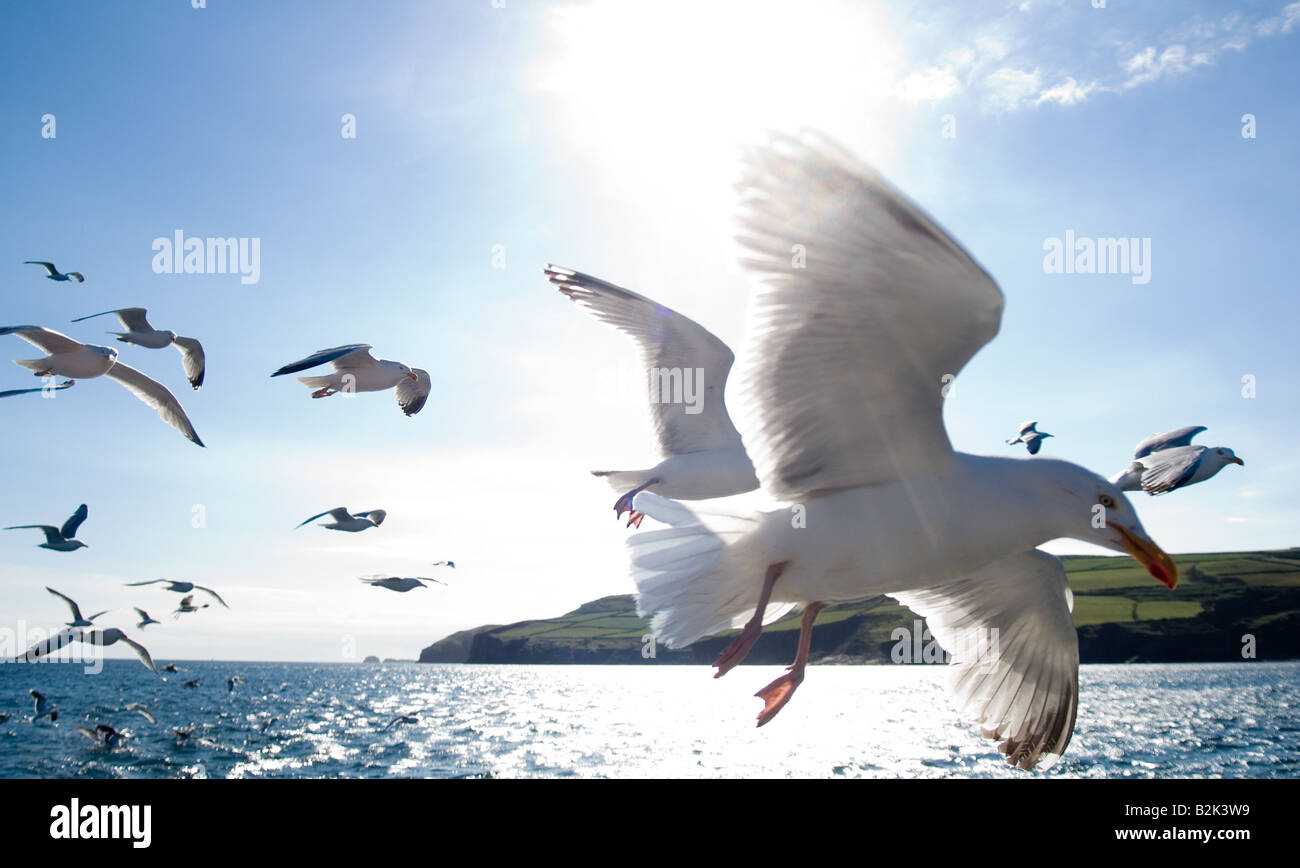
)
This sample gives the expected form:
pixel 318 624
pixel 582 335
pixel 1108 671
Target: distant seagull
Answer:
pixel 139 332
pixel 231 682
pixel 102 733
pixel 140 709
pixel 66 384
pixel 394 583
pixel 4 716
pixel 60 539
pixel 183 734
pixel 180 588
pixel 401 718
pixel 101 638
pixel 703 456
pixel 451 564
pixel 43 707
pixel 69 358
pixel 77 619
pixel 1030 436
pixel 355 370
pixel 172 667
pixel 145 620
pixel 193 682
pixel 1167 461
pixel 266 722
pixel 54 272
pixel 346 521
pixel 187 606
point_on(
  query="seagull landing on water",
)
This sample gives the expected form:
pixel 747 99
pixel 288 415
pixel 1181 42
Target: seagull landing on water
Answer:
pixel 139 332
pixel 396 583
pixel 60 539
pixel 844 419
pixel 77 619
pixel 101 638
pixel 355 370
pixel 53 273
pixel 180 588
pixel 43 707
pixel 1030 436
pixel 703 456
pixel 350 522
pixel 1168 461
pixel 102 734
pixel 69 358
pixel 66 384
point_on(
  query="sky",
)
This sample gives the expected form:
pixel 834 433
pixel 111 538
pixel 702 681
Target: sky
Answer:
pixel 493 138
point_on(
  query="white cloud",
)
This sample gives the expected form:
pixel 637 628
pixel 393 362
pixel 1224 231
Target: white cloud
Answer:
pixel 929 85
pixel 1068 92
pixel 1009 89
pixel 1286 22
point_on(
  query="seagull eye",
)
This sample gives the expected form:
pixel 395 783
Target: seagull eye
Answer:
pixel 1107 501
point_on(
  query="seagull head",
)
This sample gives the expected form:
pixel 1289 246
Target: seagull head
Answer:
pixel 1109 520
pixel 1226 456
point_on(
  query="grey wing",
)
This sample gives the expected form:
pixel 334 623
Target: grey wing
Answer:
pixel 411 394
pixel 156 395
pixel 1170 468
pixel 142 653
pixel 671 347
pixel 320 357
pixel 1167 440
pixel 214 594
pixel 59 640
pixel 1015 653
pixel 49 266
pixel 76 610
pixel 150 582
pixel 133 319
pixel 51 533
pixel 70 526
pixel 339 513
pixel 9 393
pixel 192 359
pixel 46 339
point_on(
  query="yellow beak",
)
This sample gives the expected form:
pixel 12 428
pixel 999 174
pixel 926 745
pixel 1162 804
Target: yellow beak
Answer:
pixel 1151 556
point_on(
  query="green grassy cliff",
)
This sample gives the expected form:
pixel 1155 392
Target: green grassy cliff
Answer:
pixel 1121 613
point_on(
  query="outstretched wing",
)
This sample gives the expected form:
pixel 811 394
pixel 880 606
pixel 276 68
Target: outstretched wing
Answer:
pixel 49 266
pixel 411 394
pixel 192 359
pixel 1015 653
pixel 670 346
pixel 9 393
pixel 320 357
pixel 156 395
pixel 76 610
pixel 1170 468
pixel 70 526
pixel 59 640
pixel 867 305
pixel 142 653
pixel 51 533
pixel 46 339
pixel 214 595
pixel 133 319
pixel 1167 440
pixel 338 513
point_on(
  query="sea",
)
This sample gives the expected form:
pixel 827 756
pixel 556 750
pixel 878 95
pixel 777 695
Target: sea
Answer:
pixel 310 720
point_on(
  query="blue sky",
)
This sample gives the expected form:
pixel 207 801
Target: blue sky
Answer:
pixel 602 137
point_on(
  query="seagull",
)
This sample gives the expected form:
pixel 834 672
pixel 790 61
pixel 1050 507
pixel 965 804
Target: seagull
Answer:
pixel 355 370
pixel 69 358
pixel 394 583
pixel 346 521
pixel 102 733
pixel 844 417
pixel 183 735
pixel 145 619
pixel 60 539
pixel 77 619
pixel 180 588
pixel 172 667
pixel 4 716
pixel 139 709
pixel 187 605
pixel 66 384
pixel 43 707
pixel 1168 461
pixel 54 272
pixel 231 682
pixel 703 456
pixel 1030 436
pixel 101 638
pixel 401 718
pixel 139 332
pixel 451 564
pixel 193 682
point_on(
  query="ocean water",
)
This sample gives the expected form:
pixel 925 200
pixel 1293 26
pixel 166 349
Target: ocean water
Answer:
pixel 327 720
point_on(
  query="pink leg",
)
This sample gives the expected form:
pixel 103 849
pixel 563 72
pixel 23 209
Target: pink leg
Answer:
pixel 322 393
pixel 739 647
pixel 624 504
pixel 778 693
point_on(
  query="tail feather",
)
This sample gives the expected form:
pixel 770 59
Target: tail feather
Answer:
pixel 317 382
pixel 623 481
pixel 33 364
pixel 696 579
